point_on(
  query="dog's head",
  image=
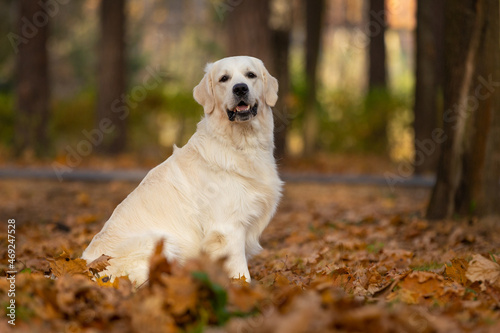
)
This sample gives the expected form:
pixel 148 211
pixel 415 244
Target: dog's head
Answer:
pixel 239 87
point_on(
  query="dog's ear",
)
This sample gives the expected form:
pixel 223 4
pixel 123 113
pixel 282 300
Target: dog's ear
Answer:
pixel 270 87
pixel 203 92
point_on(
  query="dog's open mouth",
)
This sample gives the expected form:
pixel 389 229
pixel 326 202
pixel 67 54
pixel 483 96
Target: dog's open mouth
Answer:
pixel 242 112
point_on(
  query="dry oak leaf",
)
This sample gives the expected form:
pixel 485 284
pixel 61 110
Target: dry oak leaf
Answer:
pixel 64 265
pixel 99 264
pixel 482 269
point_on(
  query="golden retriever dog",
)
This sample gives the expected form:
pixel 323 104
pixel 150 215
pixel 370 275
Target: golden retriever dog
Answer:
pixel 216 194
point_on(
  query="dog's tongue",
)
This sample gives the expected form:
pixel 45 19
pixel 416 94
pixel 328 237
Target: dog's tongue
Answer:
pixel 242 107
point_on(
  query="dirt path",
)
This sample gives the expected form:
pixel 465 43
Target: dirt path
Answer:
pixel 135 175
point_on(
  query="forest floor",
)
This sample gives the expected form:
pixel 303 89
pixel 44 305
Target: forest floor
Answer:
pixel 336 258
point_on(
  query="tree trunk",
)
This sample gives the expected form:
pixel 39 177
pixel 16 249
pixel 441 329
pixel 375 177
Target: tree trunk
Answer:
pixel 269 45
pixel 429 35
pixel 377 63
pixel 281 48
pixel 314 24
pixel 463 24
pixel 248 32
pixel 490 203
pixel 479 192
pixel 32 88
pixel 111 75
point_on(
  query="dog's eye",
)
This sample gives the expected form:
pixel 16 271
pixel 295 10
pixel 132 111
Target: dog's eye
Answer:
pixel 251 75
pixel 224 78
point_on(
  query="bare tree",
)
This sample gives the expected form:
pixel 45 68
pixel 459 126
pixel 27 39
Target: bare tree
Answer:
pixel 428 82
pixel 111 74
pixel 32 86
pixel 314 10
pixel 469 28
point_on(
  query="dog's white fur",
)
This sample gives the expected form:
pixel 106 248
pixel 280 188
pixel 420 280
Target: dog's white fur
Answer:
pixel 216 194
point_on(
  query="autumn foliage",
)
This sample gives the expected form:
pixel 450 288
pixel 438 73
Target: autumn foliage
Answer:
pixel 348 259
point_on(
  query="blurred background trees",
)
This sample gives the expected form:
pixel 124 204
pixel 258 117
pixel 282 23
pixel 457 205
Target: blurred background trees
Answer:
pixel 357 77
pixel 377 69
pixel 91 68
pixel 428 80
pixel 468 174
pixel 314 25
pixel 32 79
pixel 111 75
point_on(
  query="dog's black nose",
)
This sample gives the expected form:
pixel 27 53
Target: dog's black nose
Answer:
pixel 240 89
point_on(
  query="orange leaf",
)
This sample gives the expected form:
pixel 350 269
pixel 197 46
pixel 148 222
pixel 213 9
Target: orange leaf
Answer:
pixel 64 265
pixel 417 286
pixel 244 297
pixel 457 270
pixel 86 219
pixel 104 281
pixel 158 264
pixel 182 294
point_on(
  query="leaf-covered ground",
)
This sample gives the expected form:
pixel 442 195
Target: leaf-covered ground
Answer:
pixel 336 259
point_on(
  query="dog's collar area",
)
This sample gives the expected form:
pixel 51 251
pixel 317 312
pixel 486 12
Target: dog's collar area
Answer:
pixel 242 112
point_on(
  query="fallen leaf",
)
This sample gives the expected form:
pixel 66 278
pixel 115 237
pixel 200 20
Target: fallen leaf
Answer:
pixel 148 315
pixel 158 265
pixel 182 294
pixel 456 271
pixel 64 265
pixel 244 297
pixel 123 285
pixel 38 264
pixel 86 219
pixel 418 285
pixel 99 264
pixel 482 269
pixel 83 199
pixel 104 281
pixel 342 278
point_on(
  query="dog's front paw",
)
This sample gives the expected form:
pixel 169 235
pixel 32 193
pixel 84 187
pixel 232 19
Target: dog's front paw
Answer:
pixel 239 275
